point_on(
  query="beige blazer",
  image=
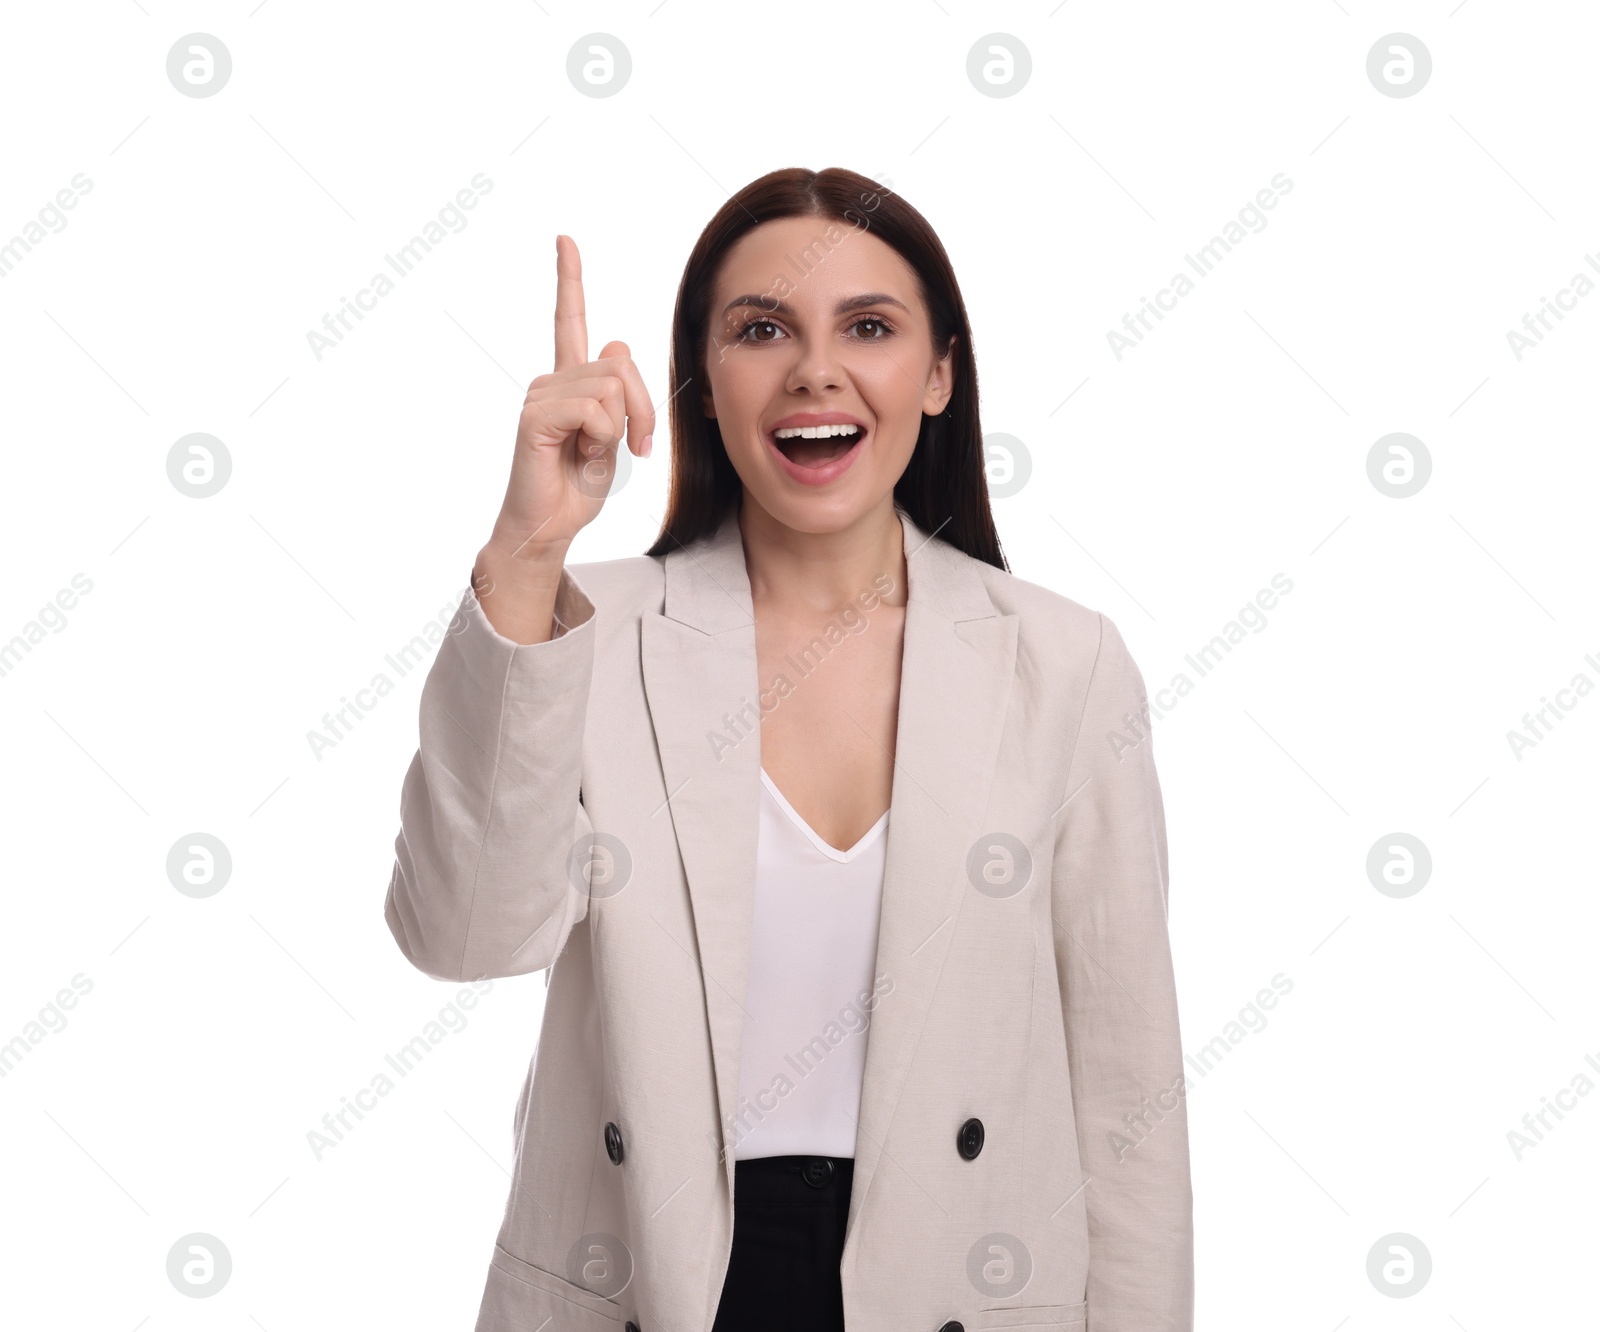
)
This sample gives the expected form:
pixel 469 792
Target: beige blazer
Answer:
pixel 590 805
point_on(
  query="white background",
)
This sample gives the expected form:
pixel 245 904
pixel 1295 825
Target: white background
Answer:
pixel 1229 446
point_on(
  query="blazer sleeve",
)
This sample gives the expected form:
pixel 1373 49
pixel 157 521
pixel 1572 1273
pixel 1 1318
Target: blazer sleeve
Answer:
pixel 1114 963
pixel 490 809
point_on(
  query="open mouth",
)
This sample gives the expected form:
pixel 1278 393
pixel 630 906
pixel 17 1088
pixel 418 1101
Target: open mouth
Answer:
pixel 815 447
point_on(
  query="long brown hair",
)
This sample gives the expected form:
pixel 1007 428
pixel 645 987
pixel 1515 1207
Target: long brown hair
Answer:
pixel 944 488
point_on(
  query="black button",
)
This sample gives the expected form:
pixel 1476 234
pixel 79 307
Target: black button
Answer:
pixel 952 1327
pixel 969 1142
pixel 817 1172
pixel 631 1327
pixel 614 1143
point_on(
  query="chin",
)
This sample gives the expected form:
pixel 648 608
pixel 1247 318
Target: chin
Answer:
pixel 818 514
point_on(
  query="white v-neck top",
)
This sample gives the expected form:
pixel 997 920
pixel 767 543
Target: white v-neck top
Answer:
pixel 814 940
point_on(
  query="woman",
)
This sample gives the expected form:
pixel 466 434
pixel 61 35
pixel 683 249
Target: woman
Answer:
pixel 843 845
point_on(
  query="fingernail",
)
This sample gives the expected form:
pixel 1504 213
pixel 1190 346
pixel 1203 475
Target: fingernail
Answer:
pixel 646 446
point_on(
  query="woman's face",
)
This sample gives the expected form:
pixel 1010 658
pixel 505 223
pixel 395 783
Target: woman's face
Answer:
pixel 815 322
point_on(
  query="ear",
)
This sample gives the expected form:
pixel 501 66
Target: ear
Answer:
pixel 941 382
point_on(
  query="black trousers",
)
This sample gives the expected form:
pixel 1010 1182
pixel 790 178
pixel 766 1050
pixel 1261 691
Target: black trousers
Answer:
pixel 788 1234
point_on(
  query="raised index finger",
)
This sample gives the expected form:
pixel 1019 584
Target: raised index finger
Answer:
pixel 572 331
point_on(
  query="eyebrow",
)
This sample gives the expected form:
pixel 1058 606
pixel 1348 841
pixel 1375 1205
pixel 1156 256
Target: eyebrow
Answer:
pixel 767 304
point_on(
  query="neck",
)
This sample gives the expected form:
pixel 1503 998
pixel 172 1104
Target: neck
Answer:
pixel 822 571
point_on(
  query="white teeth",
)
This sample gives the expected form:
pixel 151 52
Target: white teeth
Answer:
pixel 815 432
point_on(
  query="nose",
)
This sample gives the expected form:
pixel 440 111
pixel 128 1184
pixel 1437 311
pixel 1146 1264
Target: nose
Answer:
pixel 816 368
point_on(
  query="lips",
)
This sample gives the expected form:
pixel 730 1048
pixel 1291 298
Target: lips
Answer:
pixel 815 462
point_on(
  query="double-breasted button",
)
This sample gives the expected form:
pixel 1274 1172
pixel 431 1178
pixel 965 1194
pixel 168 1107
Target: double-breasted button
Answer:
pixel 969 1141
pixel 817 1171
pixel 614 1143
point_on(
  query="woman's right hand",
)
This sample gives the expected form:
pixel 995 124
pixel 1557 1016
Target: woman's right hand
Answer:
pixel 572 422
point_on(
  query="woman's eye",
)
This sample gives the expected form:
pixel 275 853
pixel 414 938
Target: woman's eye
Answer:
pixel 884 330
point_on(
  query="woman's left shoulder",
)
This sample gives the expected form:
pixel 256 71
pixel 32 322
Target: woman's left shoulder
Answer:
pixel 1042 612
pixel 1066 638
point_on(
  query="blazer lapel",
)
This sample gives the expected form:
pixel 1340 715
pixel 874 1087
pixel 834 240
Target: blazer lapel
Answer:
pixel 955 685
pixel 700 676
pixel 699 660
